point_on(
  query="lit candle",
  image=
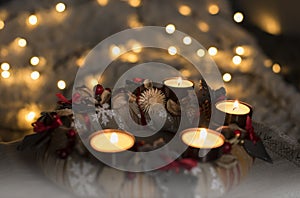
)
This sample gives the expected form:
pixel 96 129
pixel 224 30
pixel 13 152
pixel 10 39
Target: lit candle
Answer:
pixel 236 112
pixel 204 144
pixel 202 138
pixel 233 107
pixel 176 88
pixel 178 82
pixel 111 141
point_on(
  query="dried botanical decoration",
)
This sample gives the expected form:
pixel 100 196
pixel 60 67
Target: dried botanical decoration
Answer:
pixel 173 107
pixel 150 97
pixel 148 84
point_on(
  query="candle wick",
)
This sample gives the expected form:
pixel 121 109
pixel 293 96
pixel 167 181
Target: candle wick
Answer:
pixel 234 108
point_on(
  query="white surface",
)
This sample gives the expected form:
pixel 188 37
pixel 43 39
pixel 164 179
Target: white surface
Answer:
pixel 21 178
pixel 278 180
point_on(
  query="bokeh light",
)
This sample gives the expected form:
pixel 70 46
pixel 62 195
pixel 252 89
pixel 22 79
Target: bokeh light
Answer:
pixel 2 24
pixel 60 7
pixel 5 66
pixel 5 74
pixel 32 19
pixel 187 40
pixel 172 50
pixel 236 60
pixel 61 84
pixel 227 77
pixel 213 9
pixel 170 28
pixel 35 75
pixel 276 68
pixel 238 17
pixel 240 50
pixel 185 10
pixel 22 42
pixel 34 60
pixel 200 52
pixel 212 51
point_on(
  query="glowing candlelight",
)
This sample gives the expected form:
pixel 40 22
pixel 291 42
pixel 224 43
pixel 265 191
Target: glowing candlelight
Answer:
pixel 233 107
pixel 235 112
pixel 111 141
pixel 177 88
pixel 30 116
pixel 178 82
pixel 202 138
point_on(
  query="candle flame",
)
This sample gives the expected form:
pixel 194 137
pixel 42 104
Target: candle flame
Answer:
pixel 30 116
pixel 179 81
pixel 203 134
pixel 235 105
pixel 114 138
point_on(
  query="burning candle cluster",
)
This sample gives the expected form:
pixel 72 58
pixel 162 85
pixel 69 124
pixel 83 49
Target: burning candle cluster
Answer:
pixel 203 144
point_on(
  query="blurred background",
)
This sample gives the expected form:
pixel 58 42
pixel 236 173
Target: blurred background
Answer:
pixel 275 25
pixel 254 43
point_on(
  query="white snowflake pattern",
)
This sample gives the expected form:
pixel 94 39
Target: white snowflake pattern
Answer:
pixel 212 171
pixel 195 171
pixel 82 179
pixel 105 114
pixel 120 122
pixel 191 114
pixel 164 188
pixel 94 118
pixel 79 126
pixel 216 184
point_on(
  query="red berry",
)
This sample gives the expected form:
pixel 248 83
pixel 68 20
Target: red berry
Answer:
pixel 63 153
pixel 99 89
pixel 71 133
pixel 227 148
pixel 76 97
pixel 138 80
pixel 237 132
pixel 131 175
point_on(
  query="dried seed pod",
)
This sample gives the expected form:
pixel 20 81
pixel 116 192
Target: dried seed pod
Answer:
pixel 150 97
pixel 173 107
pixel 105 96
pixel 148 84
